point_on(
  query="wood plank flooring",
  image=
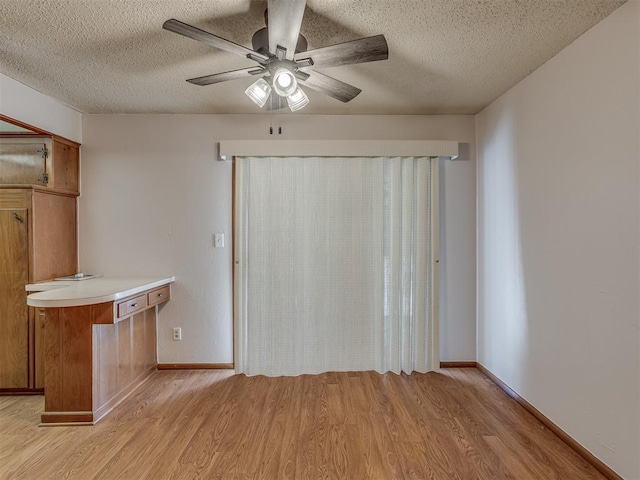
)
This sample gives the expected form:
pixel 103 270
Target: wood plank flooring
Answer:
pixel 207 424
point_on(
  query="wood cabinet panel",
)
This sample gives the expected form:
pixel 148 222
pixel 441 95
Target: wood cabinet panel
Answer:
pixel 77 360
pixel 65 168
pixel 105 363
pixel 15 198
pixel 54 236
pixel 14 274
pixel 138 344
pixel 125 346
pixel 38 334
pixel 69 365
pixel 123 352
pixel 150 337
pixel 53 368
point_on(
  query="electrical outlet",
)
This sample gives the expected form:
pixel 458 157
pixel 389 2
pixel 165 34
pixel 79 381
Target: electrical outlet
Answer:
pixel 177 334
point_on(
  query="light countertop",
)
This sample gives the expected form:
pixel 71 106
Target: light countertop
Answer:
pixel 91 291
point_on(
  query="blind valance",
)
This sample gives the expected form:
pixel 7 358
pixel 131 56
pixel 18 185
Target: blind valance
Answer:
pixel 338 148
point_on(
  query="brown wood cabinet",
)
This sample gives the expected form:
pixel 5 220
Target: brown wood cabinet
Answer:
pixel 39 186
pixel 38 241
pixel 98 354
pixel 47 161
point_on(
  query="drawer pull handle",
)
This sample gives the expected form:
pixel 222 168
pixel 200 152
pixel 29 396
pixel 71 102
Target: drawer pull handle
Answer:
pixel 161 294
pixel 134 304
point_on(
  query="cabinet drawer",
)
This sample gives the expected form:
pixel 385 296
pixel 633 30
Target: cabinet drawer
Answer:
pixel 132 305
pixel 158 295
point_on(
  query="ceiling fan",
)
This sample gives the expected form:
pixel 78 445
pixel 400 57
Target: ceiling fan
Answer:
pixel 283 60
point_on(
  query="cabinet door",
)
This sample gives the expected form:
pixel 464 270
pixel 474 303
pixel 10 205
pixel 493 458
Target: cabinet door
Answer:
pixel 14 275
pixel 23 163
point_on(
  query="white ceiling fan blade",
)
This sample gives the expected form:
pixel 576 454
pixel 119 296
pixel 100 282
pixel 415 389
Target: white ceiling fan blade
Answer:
pixel 176 26
pixel 331 86
pixel 285 19
pixel 225 76
pixel 369 49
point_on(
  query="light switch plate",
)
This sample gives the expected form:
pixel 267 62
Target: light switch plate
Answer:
pixel 218 240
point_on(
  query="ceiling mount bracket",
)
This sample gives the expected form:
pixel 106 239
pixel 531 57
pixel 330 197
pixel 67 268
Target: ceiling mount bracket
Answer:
pixel 304 63
pixel 257 58
pixel 300 74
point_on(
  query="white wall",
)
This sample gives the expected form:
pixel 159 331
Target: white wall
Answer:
pixel 153 194
pixel 558 239
pixel 32 107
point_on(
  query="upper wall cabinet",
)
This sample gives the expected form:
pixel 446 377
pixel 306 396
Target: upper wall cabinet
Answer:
pixel 29 156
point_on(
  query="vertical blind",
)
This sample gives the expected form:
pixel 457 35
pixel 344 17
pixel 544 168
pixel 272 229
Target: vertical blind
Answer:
pixel 334 265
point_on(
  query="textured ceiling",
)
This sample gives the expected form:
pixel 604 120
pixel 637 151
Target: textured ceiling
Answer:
pixel 445 56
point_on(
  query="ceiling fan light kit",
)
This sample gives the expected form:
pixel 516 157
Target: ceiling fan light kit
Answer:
pixel 259 92
pixel 283 59
pixel 284 83
pixel 297 100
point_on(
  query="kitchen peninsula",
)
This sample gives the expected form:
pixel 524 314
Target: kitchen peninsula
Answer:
pixel 99 342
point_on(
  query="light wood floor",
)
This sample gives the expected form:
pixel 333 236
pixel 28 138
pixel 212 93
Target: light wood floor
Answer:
pixel 215 425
